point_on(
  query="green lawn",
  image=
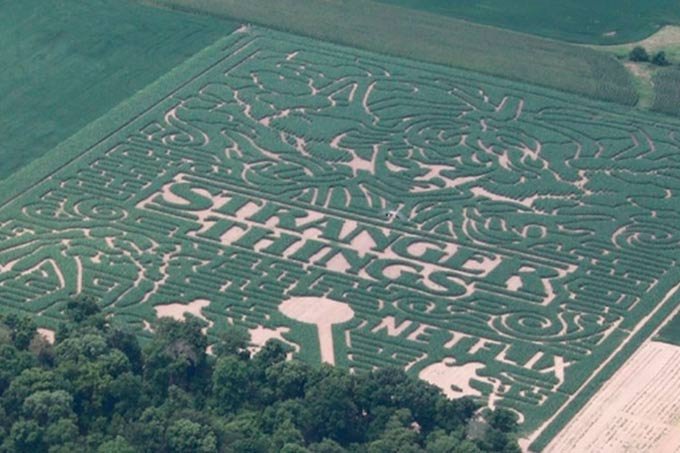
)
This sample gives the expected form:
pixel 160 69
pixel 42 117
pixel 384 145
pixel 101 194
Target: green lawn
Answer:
pixel 585 21
pixel 62 67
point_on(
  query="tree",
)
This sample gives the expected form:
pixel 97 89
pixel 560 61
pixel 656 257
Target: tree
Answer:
pixel 660 59
pixel 230 382
pixel 502 424
pixel 503 419
pixel 271 353
pixel 186 436
pixel 148 431
pixel 46 407
pixel 233 341
pixel 126 342
pixel 287 434
pixel 281 413
pixel 393 388
pixel 399 436
pixel 117 445
pixel 293 448
pixel 288 379
pixel 25 436
pixel 62 433
pixel 22 330
pixel 177 356
pixel 82 310
pixel 99 391
pixel 498 441
pixel 331 411
pixel 441 442
pixel 81 348
pixel 27 383
pixel 326 446
pixel 638 54
pixel 13 363
pixel 42 350
pixel 243 433
pixel 452 414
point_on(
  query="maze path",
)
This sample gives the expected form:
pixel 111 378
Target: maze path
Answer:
pixel 514 236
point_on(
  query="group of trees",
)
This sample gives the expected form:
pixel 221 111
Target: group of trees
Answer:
pixel 96 389
pixel 640 55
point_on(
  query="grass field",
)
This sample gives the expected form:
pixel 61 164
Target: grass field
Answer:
pixel 497 239
pixel 436 39
pixel 65 65
pixel 583 21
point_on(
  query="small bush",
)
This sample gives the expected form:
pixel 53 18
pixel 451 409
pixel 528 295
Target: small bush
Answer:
pixel 660 59
pixel 638 54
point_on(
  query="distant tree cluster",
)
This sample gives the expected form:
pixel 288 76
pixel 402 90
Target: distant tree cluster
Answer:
pixel 97 390
pixel 640 55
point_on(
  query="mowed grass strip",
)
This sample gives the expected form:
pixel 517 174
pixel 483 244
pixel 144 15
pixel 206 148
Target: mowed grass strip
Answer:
pixel 66 63
pixel 432 38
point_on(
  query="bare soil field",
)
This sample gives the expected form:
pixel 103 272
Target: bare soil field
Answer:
pixel 637 410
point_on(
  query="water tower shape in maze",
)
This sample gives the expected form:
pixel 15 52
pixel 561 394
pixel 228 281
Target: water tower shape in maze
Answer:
pixel 323 313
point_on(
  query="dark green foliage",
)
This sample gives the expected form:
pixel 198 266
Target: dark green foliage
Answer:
pixel 177 357
pixel 330 410
pixel 503 420
pixel 21 330
pixel 186 436
pixel 659 59
pixel 230 383
pixel 638 54
pixel 498 432
pixel 117 445
pixel 102 393
pixel 233 342
pixel 80 310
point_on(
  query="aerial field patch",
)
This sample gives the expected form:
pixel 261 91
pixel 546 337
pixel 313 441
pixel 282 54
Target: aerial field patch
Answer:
pixel 67 65
pixel 495 239
pixel 636 410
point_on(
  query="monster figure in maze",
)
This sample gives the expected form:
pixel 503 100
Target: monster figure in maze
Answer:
pixel 495 240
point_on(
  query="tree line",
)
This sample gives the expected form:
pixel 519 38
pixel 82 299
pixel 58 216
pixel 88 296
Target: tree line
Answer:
pixel 96 389
pixel 640 55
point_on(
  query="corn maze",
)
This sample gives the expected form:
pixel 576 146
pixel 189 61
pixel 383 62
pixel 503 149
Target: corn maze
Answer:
pixel 497 240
